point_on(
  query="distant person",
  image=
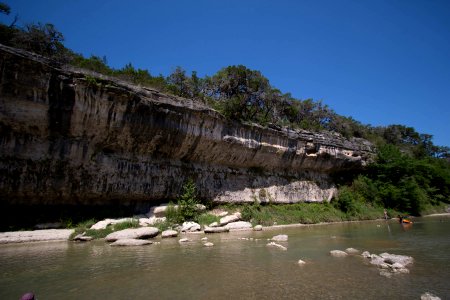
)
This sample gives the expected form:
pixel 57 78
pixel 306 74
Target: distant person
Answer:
pixel 400 218
pixel 385 214
pixel 28 296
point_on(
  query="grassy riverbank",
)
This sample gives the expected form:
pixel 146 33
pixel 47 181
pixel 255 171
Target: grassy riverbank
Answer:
pixel 267 215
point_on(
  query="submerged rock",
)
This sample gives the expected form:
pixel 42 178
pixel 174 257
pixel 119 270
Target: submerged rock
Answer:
pixel 365 254
pixel 133 233
pixel 183 240
pixel 208 244
pixel 273 244
pixel 338 253
pixel 352 251
pixel 280 238
pixel 131 242
pixel 301 262
pixel 389 263
pixel 393 258
pixel 429 296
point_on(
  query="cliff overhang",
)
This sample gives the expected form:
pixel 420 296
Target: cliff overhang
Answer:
pixel 70 136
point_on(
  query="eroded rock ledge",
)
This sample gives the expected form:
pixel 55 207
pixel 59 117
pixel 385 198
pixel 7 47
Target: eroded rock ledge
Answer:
pixel 69 136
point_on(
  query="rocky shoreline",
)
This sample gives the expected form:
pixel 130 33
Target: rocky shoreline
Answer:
pixel 48 235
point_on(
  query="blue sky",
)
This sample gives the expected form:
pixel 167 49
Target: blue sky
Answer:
pixel 381 62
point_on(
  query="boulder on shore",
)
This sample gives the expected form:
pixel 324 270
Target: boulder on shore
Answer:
pixel 258 228
pixel 151 221
pixel 169 233
pixel 231 218
pixel 131 242
pixel 238 225
pixel 190 227
pixel 133 233
pixel 213 224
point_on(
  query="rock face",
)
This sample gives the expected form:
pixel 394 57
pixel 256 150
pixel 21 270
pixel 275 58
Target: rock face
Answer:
pixel 69 136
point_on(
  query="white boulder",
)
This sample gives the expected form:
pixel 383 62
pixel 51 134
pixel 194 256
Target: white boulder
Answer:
pixel 238 225
pixel 208 244
pixel 133 233
pixel 258 228
pixel 169 233
pixel 190 227
pixel 231 218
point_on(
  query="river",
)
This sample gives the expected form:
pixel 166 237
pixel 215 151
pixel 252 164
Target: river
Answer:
pixel 236 268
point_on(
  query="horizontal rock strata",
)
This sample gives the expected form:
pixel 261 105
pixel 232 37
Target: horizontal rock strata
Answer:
pixel 69 136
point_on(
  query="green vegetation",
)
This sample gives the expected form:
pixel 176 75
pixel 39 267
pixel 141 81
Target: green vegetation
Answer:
pixel 187 206
pixel 410 173
pixel 308 213
pixel 84 227
pixel 399 181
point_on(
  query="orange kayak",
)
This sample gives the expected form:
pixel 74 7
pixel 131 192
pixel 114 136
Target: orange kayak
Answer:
pixel 406 221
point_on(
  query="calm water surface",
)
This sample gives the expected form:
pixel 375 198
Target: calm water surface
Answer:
pixel 235 268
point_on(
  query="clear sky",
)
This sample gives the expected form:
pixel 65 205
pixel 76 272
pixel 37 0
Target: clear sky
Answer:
pixel 381 62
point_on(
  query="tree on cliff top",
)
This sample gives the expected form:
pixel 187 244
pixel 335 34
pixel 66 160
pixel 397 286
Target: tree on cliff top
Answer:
pixel 4 8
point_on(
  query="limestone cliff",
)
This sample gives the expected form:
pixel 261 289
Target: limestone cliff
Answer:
pixel 68 136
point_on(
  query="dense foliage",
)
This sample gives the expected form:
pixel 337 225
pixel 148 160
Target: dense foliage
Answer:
pixel 399 181
pixel 410 172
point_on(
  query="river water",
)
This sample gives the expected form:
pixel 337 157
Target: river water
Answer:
pixel 235 268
